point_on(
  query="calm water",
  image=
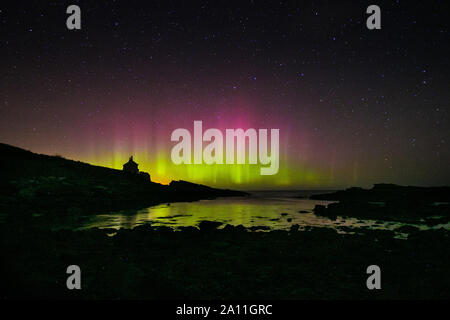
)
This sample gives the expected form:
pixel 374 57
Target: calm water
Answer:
pixel 277 210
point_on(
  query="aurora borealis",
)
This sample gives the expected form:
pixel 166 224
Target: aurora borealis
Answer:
pixel 354 106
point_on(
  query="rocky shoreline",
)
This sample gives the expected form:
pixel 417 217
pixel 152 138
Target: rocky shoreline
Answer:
pixel 230 263
pixel 429 205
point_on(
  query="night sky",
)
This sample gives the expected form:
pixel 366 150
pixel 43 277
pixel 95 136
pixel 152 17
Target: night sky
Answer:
pixel 354 106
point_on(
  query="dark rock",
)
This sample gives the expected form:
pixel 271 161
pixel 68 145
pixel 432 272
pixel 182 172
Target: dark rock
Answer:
pixel 255 228
pixel 407 229
pixel 385 192
pixel 209 225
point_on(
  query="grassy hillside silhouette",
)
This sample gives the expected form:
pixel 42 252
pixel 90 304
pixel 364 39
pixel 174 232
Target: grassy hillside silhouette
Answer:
pixel 66 186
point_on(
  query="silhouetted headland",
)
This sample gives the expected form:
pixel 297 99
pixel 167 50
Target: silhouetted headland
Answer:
pixel 388 202
pixel 59 185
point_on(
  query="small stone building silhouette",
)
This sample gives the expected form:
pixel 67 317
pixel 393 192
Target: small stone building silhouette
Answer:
pixel 131 166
